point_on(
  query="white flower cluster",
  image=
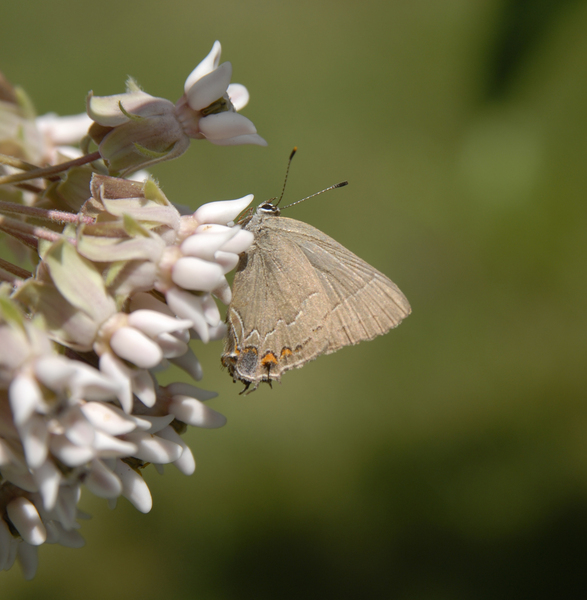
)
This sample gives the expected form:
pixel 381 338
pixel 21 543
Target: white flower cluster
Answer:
pixel 118 293
pixel 61 426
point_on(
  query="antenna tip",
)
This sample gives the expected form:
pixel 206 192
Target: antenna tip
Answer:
pixel 293 152
pixel 341 184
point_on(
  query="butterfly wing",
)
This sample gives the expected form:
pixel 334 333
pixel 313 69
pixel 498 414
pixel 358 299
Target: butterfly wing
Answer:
pixel 275 320
pixel 297 294
pixel 362 303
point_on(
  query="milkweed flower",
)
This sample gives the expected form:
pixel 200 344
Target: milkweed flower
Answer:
pixel 122 283
pixel 61 428
pixel 136 130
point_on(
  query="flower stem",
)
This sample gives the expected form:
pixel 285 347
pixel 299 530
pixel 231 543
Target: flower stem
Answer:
pixel 54 216
pixel 41 233
pixel 11 269
pixel 32 172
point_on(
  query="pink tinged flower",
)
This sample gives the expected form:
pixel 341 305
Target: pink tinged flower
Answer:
pixel 239 95
pixel 209 104
pixel 143 388
pixel 152 448
pixel 48 480
pixel 195 413
pixel 128 381
pixel 211 312
pixel 230 129
pixel 28 559
pixel 57 534
pixel 171 346
pixel 7 547
pixel 135 130
pixel 186 462
pixel 222 212
pixel 25 398
pixel 108 418
pixel 26 520
pixel 108 446
pixel 70 293
pixel 187 389
pixel 75 378
pixel 133 346
pixel 206 242
pixel 192 273
pixel 189 363
pixel 206 66
pixel 169 333
pixel 189 306
pixel 115 369
pixel 134 487
pixel 151 424
pixel 63 131
pixel 224 294
pixel 66 510
pixel 69 453
pixel 34 436
pixel 202 91
pixel 7 456
pixel 102 482
pixel 20 478
pixel 227 260
pixel 75 427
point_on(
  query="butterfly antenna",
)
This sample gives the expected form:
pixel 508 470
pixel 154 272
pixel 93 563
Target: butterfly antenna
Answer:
pixel 332 187
pixel 293 153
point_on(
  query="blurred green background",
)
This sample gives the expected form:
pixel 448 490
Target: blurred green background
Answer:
pixel 446 460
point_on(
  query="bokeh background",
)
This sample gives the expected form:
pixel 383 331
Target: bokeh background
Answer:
pixel 446 460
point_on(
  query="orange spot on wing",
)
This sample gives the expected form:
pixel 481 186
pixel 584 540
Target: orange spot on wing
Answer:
pixel 286 352
pixel 269 359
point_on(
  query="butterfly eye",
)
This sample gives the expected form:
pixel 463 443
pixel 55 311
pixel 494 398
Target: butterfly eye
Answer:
pixel 268 208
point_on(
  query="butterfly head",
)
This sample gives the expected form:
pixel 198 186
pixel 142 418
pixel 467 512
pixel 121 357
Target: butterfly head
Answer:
pixel 267 208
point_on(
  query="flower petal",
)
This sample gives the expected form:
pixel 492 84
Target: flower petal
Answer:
pixel 239 243
pixel 192 273
pixel 223 211
pixel 188 306
pixel 108 418
pixel 28 558
pixel 26 520
pixel 226 125
pixel 193 412
pixel 189 363
pixel 48 478
pixel 239 95
pixel 209 88
pixel 134 487
pixel 206 66
pixel 205 245
pixel 134 346
pixel 102 482
pixel 240 140
pixel 153 323
pixel 25 397
pixel 152 448
pixel 186 462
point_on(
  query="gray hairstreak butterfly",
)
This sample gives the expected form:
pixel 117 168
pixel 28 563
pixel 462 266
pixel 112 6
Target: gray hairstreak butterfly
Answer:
pixel 297 294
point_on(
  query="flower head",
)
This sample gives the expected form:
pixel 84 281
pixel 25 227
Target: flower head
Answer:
pixel 135 130
pixel 209 105
pixel 61 426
